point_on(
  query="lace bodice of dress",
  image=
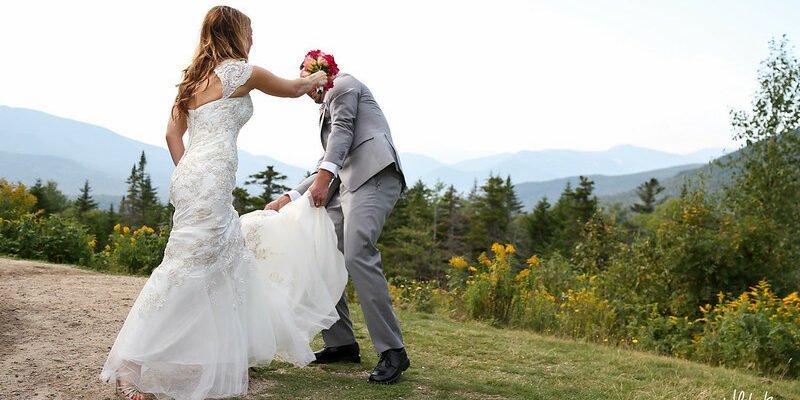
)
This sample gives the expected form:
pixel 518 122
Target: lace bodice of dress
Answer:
pixel 209 163
pixel 227 114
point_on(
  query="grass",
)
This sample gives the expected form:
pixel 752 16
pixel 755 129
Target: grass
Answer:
pixel 473 360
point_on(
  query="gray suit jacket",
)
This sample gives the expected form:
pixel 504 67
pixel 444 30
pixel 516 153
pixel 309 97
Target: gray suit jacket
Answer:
pixel 354 134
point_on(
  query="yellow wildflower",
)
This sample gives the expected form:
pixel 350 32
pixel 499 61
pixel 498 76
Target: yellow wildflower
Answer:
pixel 498 250
pixel 473 269
pixel 126 229
pixel 634 341
pixel 458 262
pixel 534 261
pixel 522 274
pixel 92 243
pixel 133 239
pixel 510 249
pixel 108 247
pixel 792 297
pixel 116 227
pixel 484 260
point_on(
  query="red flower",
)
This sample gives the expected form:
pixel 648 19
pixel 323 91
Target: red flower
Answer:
pixel 316 60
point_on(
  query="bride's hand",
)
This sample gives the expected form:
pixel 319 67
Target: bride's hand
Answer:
pixel 319 78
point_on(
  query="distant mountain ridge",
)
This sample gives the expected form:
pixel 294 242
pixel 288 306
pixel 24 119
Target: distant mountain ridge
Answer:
pixel 548 165
pixel 35 144
pixel 68 151
pixel 605 187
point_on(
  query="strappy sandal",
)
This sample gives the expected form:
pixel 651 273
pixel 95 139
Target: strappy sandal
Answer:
pixel 130 392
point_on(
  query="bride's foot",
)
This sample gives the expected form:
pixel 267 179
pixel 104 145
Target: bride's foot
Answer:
pixel 127 391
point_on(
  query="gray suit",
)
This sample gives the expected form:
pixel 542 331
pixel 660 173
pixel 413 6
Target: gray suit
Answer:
pixel 357 139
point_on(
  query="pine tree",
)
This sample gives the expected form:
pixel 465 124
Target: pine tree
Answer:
pixel 648 195
pixel 573 209
pixel 140 206
pixel 241 200
pixel 541 227
pixel 85 202
pixel 407 243
pixel 513 208
pixel 451 223
pixel 585 200
pixel 269 179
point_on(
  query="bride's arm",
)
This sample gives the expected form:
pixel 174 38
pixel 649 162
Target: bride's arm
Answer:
pixel 273 85
pixel 176 127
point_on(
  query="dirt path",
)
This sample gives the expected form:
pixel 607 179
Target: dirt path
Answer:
pixel 57 324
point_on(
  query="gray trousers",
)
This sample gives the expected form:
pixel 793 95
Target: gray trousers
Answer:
pixel 359 217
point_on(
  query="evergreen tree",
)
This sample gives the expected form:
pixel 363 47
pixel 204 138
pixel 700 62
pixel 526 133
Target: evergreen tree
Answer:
pixel 407 242
pixel 140 206
pixel 475 233
pixel 269 179
pixel 241 200
pixel 85 202
pixel 451 223
pixel 131 202
pixel 48 197
pixel 541 227
pixel 648 195
pixel 490 213
pixel 585 202
pixel 513 208
pixel 573 209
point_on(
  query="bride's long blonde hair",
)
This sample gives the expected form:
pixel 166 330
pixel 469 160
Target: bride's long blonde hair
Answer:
pixel 225 35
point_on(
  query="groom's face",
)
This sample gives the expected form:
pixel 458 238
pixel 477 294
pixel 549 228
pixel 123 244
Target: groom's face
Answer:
pixel 317 97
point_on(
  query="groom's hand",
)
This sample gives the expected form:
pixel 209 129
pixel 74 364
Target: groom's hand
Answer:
pixel 278 203
pixel 319 189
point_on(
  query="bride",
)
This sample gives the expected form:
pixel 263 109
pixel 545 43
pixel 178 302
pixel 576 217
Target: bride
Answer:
pixel 230 292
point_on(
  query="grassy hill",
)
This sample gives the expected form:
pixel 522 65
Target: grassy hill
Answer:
pixel 450 359
pixel 472 360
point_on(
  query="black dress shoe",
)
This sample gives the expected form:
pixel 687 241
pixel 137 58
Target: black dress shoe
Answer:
pixel 391 365
pixel 346 353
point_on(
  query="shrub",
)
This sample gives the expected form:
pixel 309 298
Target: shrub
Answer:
pixel 51 238
pixel 491 286
pixel 135 252
pixel 758 331
pixel 15 200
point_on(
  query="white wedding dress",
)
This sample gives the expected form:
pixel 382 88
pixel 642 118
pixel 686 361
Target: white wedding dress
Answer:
pixel 231 292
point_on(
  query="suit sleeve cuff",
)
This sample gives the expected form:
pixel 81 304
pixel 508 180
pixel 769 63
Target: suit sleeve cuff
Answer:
pixel 329 166
pixel 293 194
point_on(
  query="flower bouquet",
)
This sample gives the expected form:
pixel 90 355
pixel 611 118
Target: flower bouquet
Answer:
pixel 315 61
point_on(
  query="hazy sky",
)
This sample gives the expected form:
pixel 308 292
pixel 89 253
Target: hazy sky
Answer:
pixel 456 79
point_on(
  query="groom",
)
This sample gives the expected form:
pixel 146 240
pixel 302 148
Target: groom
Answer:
pixel 358 179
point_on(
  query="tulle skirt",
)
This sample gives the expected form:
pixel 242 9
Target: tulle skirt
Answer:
pixel 196 327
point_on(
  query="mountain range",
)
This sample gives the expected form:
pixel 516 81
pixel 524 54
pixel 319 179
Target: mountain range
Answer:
pixel 548 165
pixel 40 145
pixel 36 144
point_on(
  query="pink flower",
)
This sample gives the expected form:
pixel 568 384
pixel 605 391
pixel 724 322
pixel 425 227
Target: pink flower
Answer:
pixel 316 60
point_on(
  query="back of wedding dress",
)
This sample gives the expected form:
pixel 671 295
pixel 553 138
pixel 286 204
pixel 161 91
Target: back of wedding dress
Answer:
pixel 219 303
